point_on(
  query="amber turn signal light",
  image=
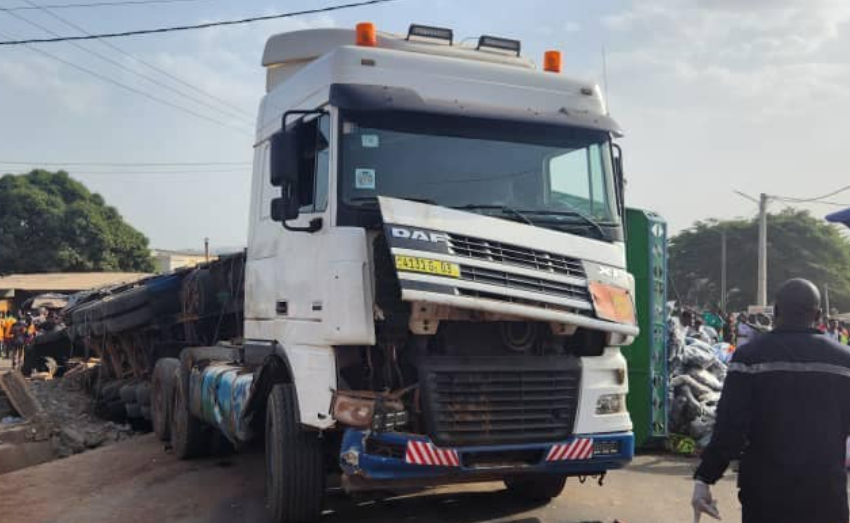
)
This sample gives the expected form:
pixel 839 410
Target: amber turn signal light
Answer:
pixel 613 303
pixel 366 35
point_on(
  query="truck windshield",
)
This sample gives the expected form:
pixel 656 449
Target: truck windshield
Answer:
pixel 550 176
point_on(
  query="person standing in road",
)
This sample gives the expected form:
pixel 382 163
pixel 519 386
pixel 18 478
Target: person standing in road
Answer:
pixel 833 331
pixel 8 322
pixel 785 410
pixel 2 334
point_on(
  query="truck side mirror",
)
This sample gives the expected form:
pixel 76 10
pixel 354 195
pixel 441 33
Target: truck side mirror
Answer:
pixel 619 178
pixel 285 158
pixel 283 209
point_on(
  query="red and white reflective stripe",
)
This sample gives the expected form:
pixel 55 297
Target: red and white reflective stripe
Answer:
pixel 577 449
pixel 425 453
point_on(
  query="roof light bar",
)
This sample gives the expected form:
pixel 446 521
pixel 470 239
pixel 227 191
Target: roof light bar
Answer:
pixel 427 31
pixel 501 44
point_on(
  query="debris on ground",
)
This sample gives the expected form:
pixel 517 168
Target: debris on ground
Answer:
pixel 69 408
pixel 697 372
pixel 43 418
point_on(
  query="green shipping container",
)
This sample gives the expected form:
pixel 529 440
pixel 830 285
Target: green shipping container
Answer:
pixel 646 258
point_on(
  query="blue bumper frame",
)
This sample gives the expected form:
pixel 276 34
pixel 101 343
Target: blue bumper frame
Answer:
pixel 355 461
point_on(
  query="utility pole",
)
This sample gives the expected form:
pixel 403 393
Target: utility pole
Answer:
pixel 723 271
pixel 763 201
pixel 207 249
pixel 761 295
pixel 827 312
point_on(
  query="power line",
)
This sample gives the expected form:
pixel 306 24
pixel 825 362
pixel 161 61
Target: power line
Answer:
pixel 132 89
pixel 195 26
pixel 85 172
pixel 123 164
pixel 114 47
pixel 823 197
pixel 117 63
pixel 100 4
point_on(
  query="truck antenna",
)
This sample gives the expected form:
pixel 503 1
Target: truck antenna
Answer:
pixel 605 80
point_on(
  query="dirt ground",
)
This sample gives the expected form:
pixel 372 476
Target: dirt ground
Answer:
pixel 63 425
pixel 137 481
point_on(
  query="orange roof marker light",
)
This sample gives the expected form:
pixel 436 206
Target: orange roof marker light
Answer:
pixel 552 61
pixel 366 35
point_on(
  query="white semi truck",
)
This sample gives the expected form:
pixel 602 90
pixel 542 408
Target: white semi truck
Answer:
pixel 434 287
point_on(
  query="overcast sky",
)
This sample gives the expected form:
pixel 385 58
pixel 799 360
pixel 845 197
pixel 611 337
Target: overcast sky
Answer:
pixel 714 95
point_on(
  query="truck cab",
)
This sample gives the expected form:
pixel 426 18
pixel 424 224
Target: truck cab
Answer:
pixel 435 285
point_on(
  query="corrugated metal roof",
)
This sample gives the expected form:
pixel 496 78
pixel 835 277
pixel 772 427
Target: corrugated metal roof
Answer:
pixel 67 281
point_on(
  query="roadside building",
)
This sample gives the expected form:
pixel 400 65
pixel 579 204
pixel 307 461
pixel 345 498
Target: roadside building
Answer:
pixel 167 261
pixel 15 289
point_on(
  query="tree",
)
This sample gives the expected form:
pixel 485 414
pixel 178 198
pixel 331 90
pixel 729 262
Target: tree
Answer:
pixel 799 245
pixel 50 222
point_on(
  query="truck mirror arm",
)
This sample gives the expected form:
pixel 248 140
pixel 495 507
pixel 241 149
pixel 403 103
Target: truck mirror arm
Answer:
pixel 314 225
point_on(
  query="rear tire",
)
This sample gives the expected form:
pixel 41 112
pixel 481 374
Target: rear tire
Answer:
pixel 162 396
pixel 188 435
pixel 537 489
pixel 295 472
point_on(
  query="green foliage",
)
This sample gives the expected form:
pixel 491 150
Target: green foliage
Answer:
pixel 799 246
pixel 52 223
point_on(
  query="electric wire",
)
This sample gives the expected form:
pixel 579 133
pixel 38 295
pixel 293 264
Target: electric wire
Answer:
pixel 206 25
pixel 819 199
pixel 131 89
pixel 116 63
pixel 241 112
pixel 123 164
pixel 101 4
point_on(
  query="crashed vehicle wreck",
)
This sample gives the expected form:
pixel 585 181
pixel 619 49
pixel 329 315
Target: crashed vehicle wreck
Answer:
pixel 434 289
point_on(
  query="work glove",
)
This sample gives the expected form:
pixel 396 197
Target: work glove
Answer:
pixel 703 502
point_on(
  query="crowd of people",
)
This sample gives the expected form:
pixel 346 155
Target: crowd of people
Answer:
pixel 18 331
pixel 740 328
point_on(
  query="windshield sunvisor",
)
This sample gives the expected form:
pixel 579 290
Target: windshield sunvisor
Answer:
pixel 382 98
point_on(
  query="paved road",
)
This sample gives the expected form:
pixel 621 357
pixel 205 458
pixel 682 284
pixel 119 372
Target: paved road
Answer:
pixel 136 481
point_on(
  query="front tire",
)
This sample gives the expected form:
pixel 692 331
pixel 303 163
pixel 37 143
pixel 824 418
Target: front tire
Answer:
pixel 295 473
pixel 536 489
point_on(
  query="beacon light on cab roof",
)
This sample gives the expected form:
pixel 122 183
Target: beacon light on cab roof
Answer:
pixel 552 61
pixel 366 35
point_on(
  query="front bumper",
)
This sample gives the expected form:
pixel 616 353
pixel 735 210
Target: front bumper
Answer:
pixel 394 458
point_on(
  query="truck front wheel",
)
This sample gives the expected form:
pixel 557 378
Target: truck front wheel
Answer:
pixel 295 473
pixel 538 489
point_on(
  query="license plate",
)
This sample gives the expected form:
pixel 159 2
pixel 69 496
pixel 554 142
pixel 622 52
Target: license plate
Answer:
pixel 440 268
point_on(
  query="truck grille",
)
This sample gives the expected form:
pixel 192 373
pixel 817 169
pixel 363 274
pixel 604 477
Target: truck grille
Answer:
pixel 470 247
pixel 525 283
pixel 492 401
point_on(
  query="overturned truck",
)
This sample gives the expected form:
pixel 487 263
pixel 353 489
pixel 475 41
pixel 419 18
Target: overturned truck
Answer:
pixel 434 289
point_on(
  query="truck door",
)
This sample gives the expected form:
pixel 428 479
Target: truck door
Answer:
pixel 300 275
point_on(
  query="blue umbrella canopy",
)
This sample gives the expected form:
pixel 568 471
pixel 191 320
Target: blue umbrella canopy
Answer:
pixel 840 217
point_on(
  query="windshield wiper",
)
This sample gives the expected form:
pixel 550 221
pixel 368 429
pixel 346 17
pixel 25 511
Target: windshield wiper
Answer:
pixel 503 208
pixel 408 198
pixel 590 222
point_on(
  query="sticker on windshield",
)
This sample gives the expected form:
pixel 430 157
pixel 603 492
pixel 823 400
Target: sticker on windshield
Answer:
pixel 364 178
pixel 369 141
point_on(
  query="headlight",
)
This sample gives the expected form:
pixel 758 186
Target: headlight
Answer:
pixel 611 404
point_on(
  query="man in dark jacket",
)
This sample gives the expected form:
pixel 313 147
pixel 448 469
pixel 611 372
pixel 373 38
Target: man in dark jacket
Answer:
pixel 785 410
